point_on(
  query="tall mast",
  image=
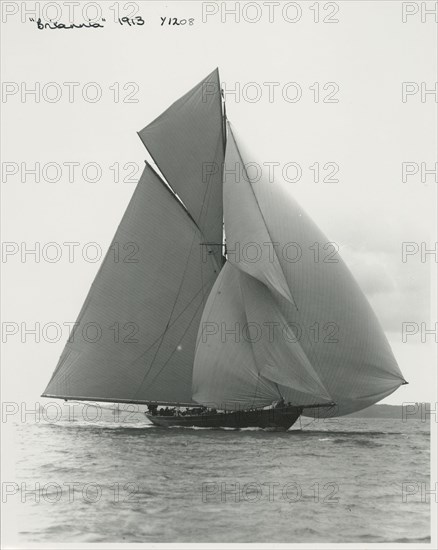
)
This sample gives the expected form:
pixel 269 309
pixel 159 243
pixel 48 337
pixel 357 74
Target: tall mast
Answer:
pixel 224 118
pixel 224 132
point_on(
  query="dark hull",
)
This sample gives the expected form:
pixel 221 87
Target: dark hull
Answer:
pixel 281 419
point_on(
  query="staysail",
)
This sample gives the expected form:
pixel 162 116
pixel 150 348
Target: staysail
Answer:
pixel 340 347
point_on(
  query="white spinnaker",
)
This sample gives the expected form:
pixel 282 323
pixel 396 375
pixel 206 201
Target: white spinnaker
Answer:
pixel 332 319
pixel 146 305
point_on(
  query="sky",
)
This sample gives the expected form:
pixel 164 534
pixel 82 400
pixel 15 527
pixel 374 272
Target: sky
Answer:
pixel 366 135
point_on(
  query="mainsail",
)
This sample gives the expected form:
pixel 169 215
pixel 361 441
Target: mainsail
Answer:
pixel 135 336
pixel 339 346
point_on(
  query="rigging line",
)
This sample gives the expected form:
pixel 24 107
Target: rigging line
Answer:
pixel 278 389
pixel 116 400
pixel 308 423
pixel 202 276
pixel 259 381
pixel 180 340
pixel 208 187
pixel 223 111
pixel 224 142
pixel 263 218
pixel 224 125
pixel 203 213
pixel 170 326
pixel 256 389
pixel 170 316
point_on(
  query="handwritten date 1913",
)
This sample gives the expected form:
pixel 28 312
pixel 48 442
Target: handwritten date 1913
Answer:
pixel 175 21
pixel 131 21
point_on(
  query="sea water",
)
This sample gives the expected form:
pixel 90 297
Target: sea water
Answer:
pixel 117 479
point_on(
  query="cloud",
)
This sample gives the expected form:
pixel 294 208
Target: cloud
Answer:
pixel 398 291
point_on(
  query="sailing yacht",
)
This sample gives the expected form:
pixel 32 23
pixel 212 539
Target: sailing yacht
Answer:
pixel 254 333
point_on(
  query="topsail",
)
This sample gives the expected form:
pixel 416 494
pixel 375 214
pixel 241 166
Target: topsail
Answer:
pixel 187 143
pixel 282 317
